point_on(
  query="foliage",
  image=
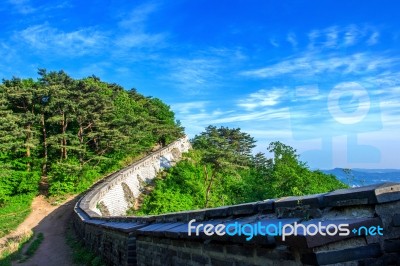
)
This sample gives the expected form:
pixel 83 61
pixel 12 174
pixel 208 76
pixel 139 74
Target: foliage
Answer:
pixel 72 131
pixel 13 249
pixel 68 133
pixel 221 170
pixel 13 211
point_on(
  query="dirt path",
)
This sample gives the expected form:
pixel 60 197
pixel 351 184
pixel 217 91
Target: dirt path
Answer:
pixel 52 221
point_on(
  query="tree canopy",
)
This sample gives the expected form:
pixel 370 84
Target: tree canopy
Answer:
pixel 222 170
pixel 71 131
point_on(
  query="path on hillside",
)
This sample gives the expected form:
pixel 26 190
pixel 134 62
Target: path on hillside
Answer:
pixel 52 221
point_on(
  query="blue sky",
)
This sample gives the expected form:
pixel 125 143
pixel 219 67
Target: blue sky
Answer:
pixel 321 76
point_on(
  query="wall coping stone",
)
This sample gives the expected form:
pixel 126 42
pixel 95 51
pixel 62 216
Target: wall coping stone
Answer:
pixel 340 206
pixel 368 195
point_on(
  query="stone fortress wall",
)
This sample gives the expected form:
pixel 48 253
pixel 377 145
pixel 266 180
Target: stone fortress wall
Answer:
pixel 163 239
pixel 115 194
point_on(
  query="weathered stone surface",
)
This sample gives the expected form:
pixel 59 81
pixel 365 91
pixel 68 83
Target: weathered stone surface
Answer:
pixel 96 222
pixel 396 220
pixel 164 240
pixel 386 259
pixel 216 212
pixel 392 245
pixel 304 240
pixel 388 192
pixel 242 209
pixel 266 206
pixel 242 250
pixel 159 229
pixel 338 256
pixel 124 227
pixel 371 194
pixel 311 201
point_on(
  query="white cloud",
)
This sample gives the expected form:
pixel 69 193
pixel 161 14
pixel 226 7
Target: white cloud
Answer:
pixel 262 98
pixel 291 38
pixel 74 43
pixel 188 107
pixel 309 92
pixel 373 39
pixel 23 7
pixel 255 116
pixel 351 35
pixel 332 35
pixel 310 64
pixel 140 40
pixel 341 37
pixel 137 16
pixel 135 34
pixel 312 37
pixel 274 42
pixel 26 7
pixel 194 76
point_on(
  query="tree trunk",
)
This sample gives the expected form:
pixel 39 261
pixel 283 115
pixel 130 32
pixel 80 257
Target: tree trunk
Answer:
pixel 44 166
pixel 80 137
pixel 28 147
pixel 63 139
pixel 208 191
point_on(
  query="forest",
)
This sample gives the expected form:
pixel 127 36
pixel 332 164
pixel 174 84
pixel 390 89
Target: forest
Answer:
pixel 58 135
pixel 221 169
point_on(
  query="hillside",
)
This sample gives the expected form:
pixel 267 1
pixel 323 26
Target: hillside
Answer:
pixel 360 177
pixel 58 135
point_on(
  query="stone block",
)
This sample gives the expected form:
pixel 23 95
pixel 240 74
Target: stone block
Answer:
pixel 222 262
pixel 184 255
pixel 304 240
pixel 311 201
pixel 96 222
pixel 201 259
pixel 388 192
pixel 371 194
pixel 213 247
pixel 396 220
pixel 338 256
pixel 242 209
pixel 391 245
pixel 216 212
pixel 243 263
pixel 124 227
pixel 160 231
pixel 276 253
pixel 242 250
pixel 386 259
pixel 266 206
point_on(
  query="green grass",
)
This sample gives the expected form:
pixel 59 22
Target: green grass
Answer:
pixel 33 246
pixel 80 254
pixel 14 211
pixel 13 250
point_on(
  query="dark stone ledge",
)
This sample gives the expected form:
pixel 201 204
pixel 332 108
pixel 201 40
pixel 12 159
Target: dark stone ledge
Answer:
pixel 372 194
pixel 338 256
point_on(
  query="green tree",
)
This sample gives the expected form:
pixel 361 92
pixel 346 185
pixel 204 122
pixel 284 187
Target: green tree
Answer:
pixel 74 130
pixel 225 150
pixel 22 100
pixel 221 170
pixel 290 176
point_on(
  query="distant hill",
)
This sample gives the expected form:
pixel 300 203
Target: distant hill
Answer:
pixel 362 177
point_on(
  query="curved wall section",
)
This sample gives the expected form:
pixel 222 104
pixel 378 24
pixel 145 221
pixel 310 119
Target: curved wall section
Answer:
pixel 115 194
pixel 165 240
